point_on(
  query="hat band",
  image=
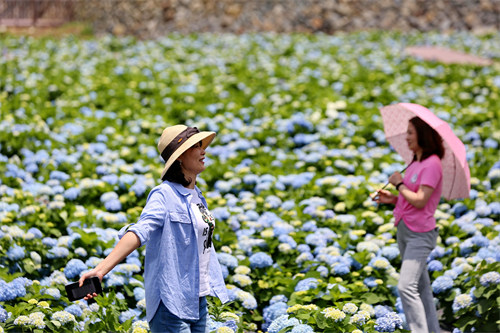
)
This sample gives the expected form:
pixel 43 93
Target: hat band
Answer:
pixel 178 141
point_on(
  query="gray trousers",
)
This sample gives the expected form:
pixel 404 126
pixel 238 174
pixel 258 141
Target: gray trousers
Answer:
pixel 414 285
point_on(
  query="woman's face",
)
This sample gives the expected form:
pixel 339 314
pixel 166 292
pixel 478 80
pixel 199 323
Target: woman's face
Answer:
pixel 193 159
pixel 411 138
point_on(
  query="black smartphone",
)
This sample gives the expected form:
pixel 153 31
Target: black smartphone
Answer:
pixel 90 286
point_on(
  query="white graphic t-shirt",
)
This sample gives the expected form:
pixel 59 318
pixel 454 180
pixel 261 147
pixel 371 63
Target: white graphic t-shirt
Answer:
pixel 206 224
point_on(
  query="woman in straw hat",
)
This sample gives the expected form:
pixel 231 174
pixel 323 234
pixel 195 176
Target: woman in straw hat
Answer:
pixel 419 194
pixel 181 265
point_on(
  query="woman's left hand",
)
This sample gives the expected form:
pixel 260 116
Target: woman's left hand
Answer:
pixel 395 178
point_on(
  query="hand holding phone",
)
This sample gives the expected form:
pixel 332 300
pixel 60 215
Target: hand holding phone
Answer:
pixel 89 286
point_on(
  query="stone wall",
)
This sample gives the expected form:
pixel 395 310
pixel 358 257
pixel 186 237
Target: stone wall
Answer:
pixel 151 18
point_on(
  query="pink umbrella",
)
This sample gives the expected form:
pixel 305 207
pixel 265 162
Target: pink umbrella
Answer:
pixel 456 173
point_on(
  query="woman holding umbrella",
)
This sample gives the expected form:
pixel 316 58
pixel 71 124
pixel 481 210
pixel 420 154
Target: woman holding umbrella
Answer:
pixel 419 194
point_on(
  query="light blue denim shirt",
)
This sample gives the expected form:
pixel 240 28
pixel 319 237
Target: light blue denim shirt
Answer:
pixel 171 273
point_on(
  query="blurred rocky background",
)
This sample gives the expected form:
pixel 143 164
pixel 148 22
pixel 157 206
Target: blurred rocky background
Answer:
pixel 151 18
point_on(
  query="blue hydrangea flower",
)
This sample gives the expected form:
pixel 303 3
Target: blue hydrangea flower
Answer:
pixel 435 266
pixel 113 205
pixel 288 240
pixel 281 322
pixel 452 240
pixel 225 271
pixel 389 323
pixel 303 257
pixel 139 188
pixel 323 271
pixel 302 328
pixel 307 284
pixel 480 241
pixel 260 260
pixel 139 293
pixel 341 269
pixel 3 315
pixel 436 253
pixel 379 263
pixel 110 179
pixel 57 252
pixel 74 310
pixel 59 175
pixel 12 290
pixel 220 213
pixel 442 284
pixel 490 278
pixel 36 232
pixel 278 298
pixel 399 305
pixel 461 302
pixel 74 267
pixel 309 226
pixel 247 300
pixel 370 282
pixel 316 240
pixel 51 242
pixel 108 196
pixel 71 193
pixel 273 311
pixel 381 310
pixel 303 248
pixel 227 260
pixel 390 252
pixel 114 280
pixel 16 252
pixel 130 313
pixel 52 292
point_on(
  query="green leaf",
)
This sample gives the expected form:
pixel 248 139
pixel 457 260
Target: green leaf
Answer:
pixel 489 327
pixel 479 292
pixel 257 317
pixel 451 297
pixel 64 215
pixel 29 267
pixel 128 291
pixel 127 324
pixel 320 320
pixel 56 323
pixel 303 316
pixel 55 232
pixel 490 293
pixel 372 298
pixel 465 323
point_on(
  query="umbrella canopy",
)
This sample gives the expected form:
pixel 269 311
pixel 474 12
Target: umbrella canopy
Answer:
pixel 456 173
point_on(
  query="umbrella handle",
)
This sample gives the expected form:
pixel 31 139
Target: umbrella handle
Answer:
pixel 375 197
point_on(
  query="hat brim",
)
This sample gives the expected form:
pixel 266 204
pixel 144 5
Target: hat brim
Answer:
pixel 206 139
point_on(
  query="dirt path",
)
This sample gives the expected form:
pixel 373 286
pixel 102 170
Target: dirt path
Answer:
pixel 446 56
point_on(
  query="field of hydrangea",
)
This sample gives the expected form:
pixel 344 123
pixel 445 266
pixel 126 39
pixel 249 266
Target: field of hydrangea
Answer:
pixel 300 147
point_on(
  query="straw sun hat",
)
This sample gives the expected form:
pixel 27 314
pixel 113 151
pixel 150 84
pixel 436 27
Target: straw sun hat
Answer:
pixel 175 140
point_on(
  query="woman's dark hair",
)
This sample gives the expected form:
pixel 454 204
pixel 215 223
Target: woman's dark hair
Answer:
pixel 428 139
pixel 174 174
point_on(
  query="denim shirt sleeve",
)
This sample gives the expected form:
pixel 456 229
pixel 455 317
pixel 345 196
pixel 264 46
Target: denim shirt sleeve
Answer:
pixel 152 217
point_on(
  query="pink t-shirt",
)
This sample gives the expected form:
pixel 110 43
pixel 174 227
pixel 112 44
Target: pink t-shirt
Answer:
pixel 428 172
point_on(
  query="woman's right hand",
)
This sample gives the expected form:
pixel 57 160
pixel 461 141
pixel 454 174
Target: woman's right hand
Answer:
pixel 129 242
pixel 384 196
pixel 88 275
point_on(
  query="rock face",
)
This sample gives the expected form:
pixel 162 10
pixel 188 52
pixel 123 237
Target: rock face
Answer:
pixel 151 18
